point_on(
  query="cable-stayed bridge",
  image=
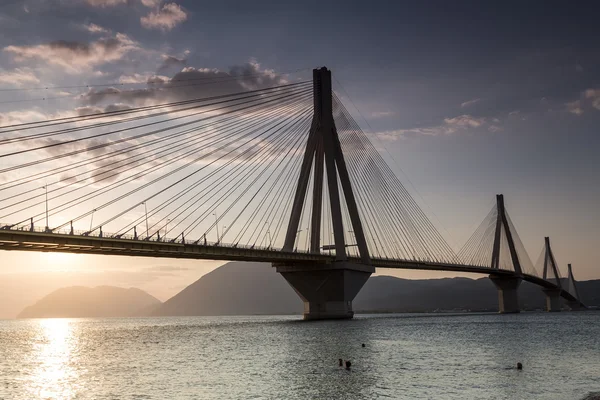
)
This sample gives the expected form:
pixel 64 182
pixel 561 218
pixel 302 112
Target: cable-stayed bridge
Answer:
pixel 280 174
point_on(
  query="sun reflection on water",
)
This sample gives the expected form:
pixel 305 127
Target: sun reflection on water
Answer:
pixel 54 376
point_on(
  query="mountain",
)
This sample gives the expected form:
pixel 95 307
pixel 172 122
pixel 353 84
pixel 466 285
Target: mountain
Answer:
pixel 101 301
pixel 386 294
pixel 235 289
pixel 255 288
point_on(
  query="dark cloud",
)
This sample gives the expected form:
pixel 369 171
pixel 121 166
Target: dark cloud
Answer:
pixel 106 3
pixel 116 107
pixel 134 97
pixel 76 56
pixel 67 179
pixel 188 84
pixel 88 110
pixel 170 63
pixel 82 111
pixel 57 150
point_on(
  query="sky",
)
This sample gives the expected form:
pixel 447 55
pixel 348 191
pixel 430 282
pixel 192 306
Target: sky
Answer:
pixel 465 99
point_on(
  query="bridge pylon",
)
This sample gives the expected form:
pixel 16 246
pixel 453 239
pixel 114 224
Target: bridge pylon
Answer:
pixel 326 289
pixel 508 296
pixel 550 272
pixel 572 288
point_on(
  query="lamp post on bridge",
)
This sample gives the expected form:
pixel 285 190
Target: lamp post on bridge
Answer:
pixel 268 234
pixel 217 226
pixel 147 229
pixel 166 227
pixel 45 187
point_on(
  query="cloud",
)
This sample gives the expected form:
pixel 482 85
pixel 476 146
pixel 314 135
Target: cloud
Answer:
pixel 21 116
pixel 170 62
pixel 135 78
pixel 87 110
pixel 460 123
pixel 151 3
pixel 188 84
pixel 113 3
pixel 164 19
pixel 382 114
pixel 463 121
pixel 469 103
pixel 251 76
pixel 593 95
pixel 144 78
pixel 105 3
pixel 589 98
pixel 574 107
pixel 18 77
pixel 75 57
pixel 93 28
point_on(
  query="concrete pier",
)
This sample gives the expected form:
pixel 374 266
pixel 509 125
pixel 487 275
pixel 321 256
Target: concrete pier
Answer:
pixel 508 296
pixel 326 289
pixel 553 303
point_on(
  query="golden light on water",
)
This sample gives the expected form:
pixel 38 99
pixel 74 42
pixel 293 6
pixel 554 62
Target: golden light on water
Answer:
pixel 55 375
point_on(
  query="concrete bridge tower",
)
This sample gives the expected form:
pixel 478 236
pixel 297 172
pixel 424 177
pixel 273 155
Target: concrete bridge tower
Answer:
pixel 553 302
pixel 327 289
pixel 572 288
pixel 508 297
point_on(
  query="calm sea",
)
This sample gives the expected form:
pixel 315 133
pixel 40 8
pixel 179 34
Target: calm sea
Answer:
pixel 280 357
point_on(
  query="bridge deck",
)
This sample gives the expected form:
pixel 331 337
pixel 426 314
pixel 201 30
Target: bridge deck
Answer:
pixel 22 240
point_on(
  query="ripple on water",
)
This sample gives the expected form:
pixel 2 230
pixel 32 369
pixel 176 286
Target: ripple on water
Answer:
pixel 406 357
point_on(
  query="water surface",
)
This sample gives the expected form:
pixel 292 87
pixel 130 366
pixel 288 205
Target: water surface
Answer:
pixel 279 357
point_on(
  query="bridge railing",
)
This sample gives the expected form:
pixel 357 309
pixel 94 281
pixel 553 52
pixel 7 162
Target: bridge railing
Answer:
pixel 140 238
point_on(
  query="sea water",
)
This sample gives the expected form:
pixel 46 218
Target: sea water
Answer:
pixel 281 357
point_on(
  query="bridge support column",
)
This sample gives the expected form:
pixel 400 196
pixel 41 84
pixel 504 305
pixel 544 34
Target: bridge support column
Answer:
pixel 552 299
pixel 508 296
pixel 327 290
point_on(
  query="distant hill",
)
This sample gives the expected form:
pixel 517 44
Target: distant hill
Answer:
pixel 101 301
pixel 255 288
pixel 235 289
pixel 386 294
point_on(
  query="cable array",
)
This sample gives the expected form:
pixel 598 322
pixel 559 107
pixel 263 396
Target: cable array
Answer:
pixel 152 84
pixel 478 249
pixel 546 258
pixel 394 224
pixel 220 169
